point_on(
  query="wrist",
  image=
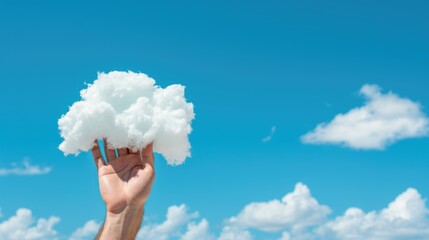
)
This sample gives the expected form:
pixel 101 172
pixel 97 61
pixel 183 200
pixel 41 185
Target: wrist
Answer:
pixel 125 214
pixel 123 209
pixel 123 224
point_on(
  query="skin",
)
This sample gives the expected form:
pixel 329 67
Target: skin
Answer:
pixel 125 183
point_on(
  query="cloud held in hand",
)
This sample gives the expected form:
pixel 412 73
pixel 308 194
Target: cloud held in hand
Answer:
pixel 129 110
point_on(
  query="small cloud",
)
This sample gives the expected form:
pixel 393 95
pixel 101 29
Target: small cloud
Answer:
pixel 197 231
pixel 177 217
pixel 24 169
pixel 384 119
pixel 298 209
pixel 235 233
pixel 87 231
pixel 404 218
pixel 269 137
pixel 285 236
pixel 23 225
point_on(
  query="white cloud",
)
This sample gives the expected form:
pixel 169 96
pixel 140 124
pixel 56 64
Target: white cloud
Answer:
pixel 383 120
pixel 269 137
pixel 235 233
pixel 87 231
pixel 130 111
pixel 285 236
pixel 296 210
pixel 197 231
pixel 405 218
pixel 23 226
pixel 297 216
pixel 177 217
pixel 25 169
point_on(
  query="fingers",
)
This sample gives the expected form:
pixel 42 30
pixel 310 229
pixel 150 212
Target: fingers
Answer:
pixel 96 154
pixel 122 152
pixel 131 151
pixel 110 153
pixel 147 155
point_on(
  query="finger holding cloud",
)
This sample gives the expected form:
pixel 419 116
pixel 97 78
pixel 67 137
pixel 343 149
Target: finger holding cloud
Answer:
pixel 122 152
pixel 96 153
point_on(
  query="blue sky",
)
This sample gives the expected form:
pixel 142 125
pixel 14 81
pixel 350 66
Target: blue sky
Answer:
pixel 247 67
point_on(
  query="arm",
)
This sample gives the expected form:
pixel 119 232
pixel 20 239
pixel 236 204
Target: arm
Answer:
pixel 124 225
pixel 125 183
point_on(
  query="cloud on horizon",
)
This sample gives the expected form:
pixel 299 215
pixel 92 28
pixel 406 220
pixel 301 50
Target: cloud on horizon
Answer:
pixel 24 169
pixel 176 219
pixel 383 120
pixel 22 225
pixel 404 218
pixel 89 230
pixel 298 209
pixel 298 215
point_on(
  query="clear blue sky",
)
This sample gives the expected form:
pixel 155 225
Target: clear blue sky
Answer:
pixel 247 66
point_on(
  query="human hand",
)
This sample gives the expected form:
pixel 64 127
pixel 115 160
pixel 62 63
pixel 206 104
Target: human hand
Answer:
pixel 126 180
pixel 125 184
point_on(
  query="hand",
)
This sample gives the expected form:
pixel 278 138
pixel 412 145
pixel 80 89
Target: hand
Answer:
pixel 126 180
pixel 125 183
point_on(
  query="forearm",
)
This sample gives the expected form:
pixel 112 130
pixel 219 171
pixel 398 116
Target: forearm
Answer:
pixel 124 225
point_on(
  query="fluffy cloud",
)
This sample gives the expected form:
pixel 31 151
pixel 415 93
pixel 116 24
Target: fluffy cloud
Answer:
pixel 405 218
pixel 87 231
pixel 25 169
pixel 235 233
pixel 177 217
pixel 296 210
pixel 23 226
pixel 197 231
pixel 299 216
pixel 383 120
pixel 129 110
pixel 285 236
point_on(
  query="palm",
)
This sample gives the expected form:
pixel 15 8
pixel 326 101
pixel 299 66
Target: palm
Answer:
pixel 126 179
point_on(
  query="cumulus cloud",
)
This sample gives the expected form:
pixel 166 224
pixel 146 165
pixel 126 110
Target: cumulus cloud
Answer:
pixel 177 217
pixel 235 233
pixel 23 226
pixel 384 119
pixel 296 210
pixel 268 138
pixel 299 216
pixel 129 110
pixel 197 231
pixel 24 169
pixel 87 231
pixel 285 236
pixel 404 218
